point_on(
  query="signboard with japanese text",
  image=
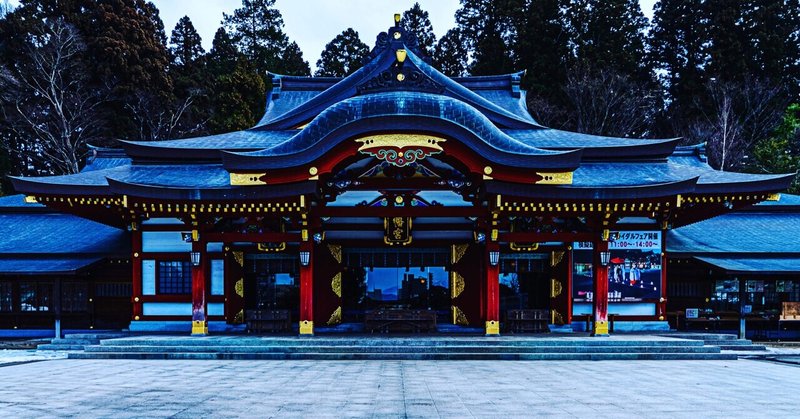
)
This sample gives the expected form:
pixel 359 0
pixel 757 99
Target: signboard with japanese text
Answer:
pixel 634 269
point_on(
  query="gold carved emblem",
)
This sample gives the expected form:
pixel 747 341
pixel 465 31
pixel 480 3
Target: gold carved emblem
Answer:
pixel 239 287
pixel 556 317
pixel 555 288
pixel 247 179
pixel 239 318
pixel 239 257
pixel 336 316
pixel 556 257
pixel 336 252
pixel 458 251
pixel 336 284
pixel 459 317
pixel 557 178
pixel 400 149
pixel 457 284
pixel 272 247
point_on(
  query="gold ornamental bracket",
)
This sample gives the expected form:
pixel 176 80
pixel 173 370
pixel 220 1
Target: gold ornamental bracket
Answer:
pixel 554 178
pixel 248 179
pixel 400 149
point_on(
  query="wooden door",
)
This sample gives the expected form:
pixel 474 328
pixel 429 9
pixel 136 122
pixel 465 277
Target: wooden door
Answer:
pixel 467 284
pixel 559 287
pixel 234 286
pixel 327 284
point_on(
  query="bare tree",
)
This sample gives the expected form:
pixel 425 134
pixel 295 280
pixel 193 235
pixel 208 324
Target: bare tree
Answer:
pixel 737 116
pixel 47 103
pixel 156 120
pixel 607 103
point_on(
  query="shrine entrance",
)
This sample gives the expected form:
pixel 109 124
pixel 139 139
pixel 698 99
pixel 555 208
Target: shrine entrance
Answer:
pixel 394 289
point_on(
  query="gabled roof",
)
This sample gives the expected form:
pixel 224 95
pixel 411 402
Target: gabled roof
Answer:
pixel 764 229
pixel 35 240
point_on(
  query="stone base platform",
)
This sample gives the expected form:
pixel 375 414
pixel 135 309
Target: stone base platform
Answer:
pixel 639 347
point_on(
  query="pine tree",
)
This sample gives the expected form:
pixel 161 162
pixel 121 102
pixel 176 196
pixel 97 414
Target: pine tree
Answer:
pixel 185 43
pixel 343 55
pixel 542 46
pixel 727 40
pixel 293 63
pixel 416 21
pixel 677 41
pixel 487 29
pixel 236 95
pixel 774 27
pixel 610 34
pixel 450 55
pixel 780 153
pixel 257 30
pixel 238 99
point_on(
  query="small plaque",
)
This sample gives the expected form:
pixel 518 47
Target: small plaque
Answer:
pixel 692 313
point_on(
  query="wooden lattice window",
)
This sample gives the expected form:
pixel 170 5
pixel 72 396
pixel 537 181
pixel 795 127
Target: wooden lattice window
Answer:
pixel 174 277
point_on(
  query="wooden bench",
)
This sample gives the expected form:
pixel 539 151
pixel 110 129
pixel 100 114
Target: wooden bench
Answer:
pixel 261 321
pixel 400 320
pixel 528 321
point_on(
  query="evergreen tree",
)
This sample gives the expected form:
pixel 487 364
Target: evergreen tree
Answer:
pixel 257 30
pixel 343 55
pixel 236 95
pixel 487 30
pixel 293 62
pixel 542 47
pixel 223 55
pixel 185 43
pixel 238 99
pixel 780 153
pixel 450 55
pixel 677 48
pixel 727 39
pixel 610 35
pixel 774 27
pixel 415 20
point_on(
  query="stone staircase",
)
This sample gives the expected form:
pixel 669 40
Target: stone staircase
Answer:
pixel 726 342
pixel 77 341
pixel 403 348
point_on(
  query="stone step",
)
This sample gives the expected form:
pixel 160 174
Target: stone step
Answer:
pixel 742 347
pixel 393 342
pixel 60 347
pixel 701 336
pixel 95 336
pixel 514 356
pixel 402 349
pixel 74 341
pixel 732 342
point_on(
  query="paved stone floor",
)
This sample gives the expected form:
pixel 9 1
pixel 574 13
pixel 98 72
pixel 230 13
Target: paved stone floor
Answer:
pixel 191 389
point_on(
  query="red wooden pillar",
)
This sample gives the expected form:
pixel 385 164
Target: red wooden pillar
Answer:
pixel 136 270
pixel 600 298
pixel 662 302
pixel 199 318
pixel 492 264
pixel 307 289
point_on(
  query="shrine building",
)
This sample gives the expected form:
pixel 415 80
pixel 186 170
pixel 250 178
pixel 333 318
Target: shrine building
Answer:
pixel 398 190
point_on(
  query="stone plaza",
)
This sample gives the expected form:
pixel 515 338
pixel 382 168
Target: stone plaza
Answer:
pixel 457 389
